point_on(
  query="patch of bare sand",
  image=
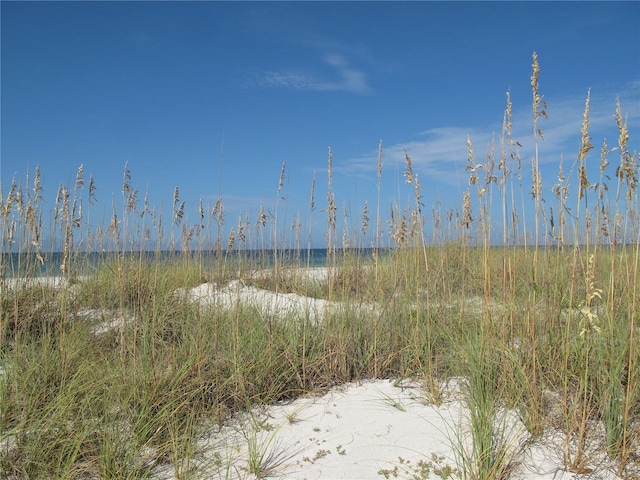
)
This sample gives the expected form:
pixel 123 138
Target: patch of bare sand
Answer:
pixel 271 304
pixel 376 429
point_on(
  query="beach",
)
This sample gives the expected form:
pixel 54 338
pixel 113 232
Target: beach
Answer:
pixel 374 428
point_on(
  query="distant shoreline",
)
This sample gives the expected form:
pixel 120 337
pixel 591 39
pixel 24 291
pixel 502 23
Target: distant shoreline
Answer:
pixel 26 264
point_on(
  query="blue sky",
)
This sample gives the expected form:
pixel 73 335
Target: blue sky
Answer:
pixel 214 96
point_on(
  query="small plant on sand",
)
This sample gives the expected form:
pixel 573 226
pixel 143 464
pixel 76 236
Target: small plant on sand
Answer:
pixel 264 454
pixel 389 400
pixel 263 458
pixel 422 470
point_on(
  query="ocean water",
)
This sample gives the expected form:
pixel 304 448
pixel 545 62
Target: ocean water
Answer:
pixel 83 263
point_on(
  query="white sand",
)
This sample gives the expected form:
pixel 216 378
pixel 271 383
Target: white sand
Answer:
pixel 52 282
pixel 271 304
pixel 362 431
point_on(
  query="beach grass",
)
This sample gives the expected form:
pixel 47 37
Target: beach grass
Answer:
pixel 114 374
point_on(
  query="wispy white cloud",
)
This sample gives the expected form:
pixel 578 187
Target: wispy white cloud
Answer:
pixel 347 78
pixel 441 153
pixel 291 79
pixel 437 153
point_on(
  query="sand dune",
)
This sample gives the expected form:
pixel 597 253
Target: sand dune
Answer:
pixel 378 429
pixel 374 430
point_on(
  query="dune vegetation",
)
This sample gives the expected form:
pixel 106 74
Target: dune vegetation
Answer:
pixel 111 373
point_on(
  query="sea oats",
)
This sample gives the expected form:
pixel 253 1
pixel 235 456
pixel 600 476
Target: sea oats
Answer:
pixel 261 221
pixel 19 201
pixel 408 173
pixel 80 178
pixel 145 206
pixel 37 186
pixel 92 191
pixel 467 217
pixel 502 165
pixel 590 319
pixel 76 208
pixel 114 226
pixel 400 230
pixel 490 163
pixel 132 201
pixel 247 223
pixel 201 214
pixel 11 197
pixel 187 236
pixel 312 200
pixel 623 137
pixel 11 231
pixel 276 223
pixel 514 154
pixel 58 204
pixel 539 110
pixel 379 160
pixel 604 223
pixel 585 147
pixel 365 219
pixel 416 225
pixel 558 189
pixel 176 197
pixel 391 222
pixel 281 181
pixel 331 206
pixel 241 229
pixel 65 203
pixel 539 104
pixel 2 204
pixel 471 165
pixel 602 186
pixel 604 161
pixel 627 171
pixel 588 223
pixel 217 213
pixel 296 226
pixel 232 239
pixel 179 214
pixel 345 227
pixel 157 221
pixel 413 179
pixel 398 226
pixel 312 205
pixel 602 189
pixel 99 237
pixel 536 180
pixel 126 181
pixel 77 215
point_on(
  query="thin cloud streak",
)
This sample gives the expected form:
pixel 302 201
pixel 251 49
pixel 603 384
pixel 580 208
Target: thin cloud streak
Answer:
pixel 350 80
